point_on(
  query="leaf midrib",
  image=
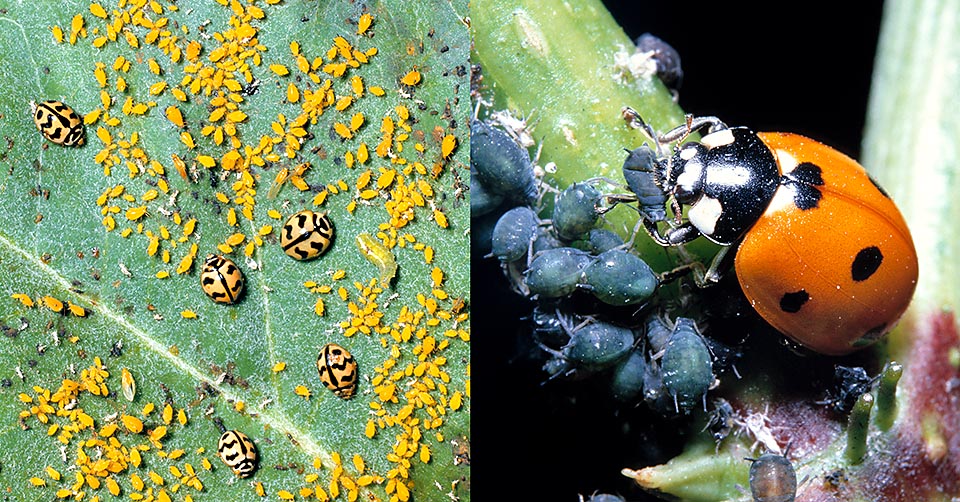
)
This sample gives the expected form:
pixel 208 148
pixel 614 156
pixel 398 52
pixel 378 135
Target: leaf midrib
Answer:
pixel 274 419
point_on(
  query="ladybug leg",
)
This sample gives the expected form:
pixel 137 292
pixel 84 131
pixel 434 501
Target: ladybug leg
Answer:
pixel 721 261
pixel 691 125
pixel 672 237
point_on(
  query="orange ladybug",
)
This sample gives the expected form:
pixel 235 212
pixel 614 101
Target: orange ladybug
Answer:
pixel 821 251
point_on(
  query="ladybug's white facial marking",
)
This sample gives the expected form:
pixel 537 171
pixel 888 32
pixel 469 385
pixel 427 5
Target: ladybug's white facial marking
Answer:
pixel 689 179
pixel 704 214
pixel 719 138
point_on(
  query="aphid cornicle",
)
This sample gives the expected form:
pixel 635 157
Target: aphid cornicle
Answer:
pixel 238 452
pixel 221 279
pixel 306 235
pixel 58 122
pixel 338 370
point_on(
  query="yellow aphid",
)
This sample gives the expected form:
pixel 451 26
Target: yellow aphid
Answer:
pixel 52 303
pixel 364 23
pixel 100 75
pixel 376 90
pixel 411 78
pixel 182 417
pixel 187 139
pixel 175 116
pixel 293 94
pixel 447 145
pixel 440 218
pixel 370 430
pixel 153 66
pixel 77 310
pixel 319 307
pixel 302 391
pixel 278 367
pixel 279 69
pixel 343 103
pixel 137 482
pixel 206 161
pixel 356 83
pixel 113 487
pixel 132 423
pixel 356 121
pixel 24 299
pixel 35 481
pixel 193 50
pixel 343 130
pixel 188 314
pixel 135 213
pixel 158 87
pixel 167 414
pixel 127 384
pixel 53 473
pixel 456 400
pixel 358 463
pixel 57 34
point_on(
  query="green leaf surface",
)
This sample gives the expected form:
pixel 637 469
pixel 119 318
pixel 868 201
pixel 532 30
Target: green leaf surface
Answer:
pixel 54 242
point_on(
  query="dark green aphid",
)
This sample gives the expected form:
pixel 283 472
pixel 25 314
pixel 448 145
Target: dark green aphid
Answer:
pixel 601 240
pixel 501 164
pixel 556 272
pixel 627 383
pixel 513 234
pixel 620 278
pixel 686 366
pixel 598 345
pixel 576 211
pixel 482 200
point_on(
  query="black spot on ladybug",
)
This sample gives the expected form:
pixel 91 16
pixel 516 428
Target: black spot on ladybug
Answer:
pixel 867 262
pixel 792 302
pixel 880 188
pixel 803 181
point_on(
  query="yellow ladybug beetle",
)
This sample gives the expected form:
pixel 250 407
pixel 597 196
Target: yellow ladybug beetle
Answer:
pixel 58 122
pixel 221 279
pixel 338 370
pixel 238 452
pixel 306 235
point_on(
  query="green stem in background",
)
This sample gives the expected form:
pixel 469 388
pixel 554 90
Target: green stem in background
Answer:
pixel 887 395
pixel 556 62
pixel 858 429
pixel 912 139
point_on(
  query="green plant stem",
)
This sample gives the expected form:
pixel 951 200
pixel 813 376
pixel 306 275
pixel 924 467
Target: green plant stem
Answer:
pixel 555 62
pixel 912 140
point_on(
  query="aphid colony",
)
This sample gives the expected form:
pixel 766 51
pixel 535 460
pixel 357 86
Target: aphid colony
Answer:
pixel 668 364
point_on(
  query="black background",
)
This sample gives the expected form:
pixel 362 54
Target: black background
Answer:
pixel 802 67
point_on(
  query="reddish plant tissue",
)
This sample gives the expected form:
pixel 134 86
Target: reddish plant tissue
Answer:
pixel 910 464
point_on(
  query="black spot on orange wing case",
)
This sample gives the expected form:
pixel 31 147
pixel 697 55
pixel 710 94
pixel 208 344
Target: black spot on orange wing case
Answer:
pixel 852 255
